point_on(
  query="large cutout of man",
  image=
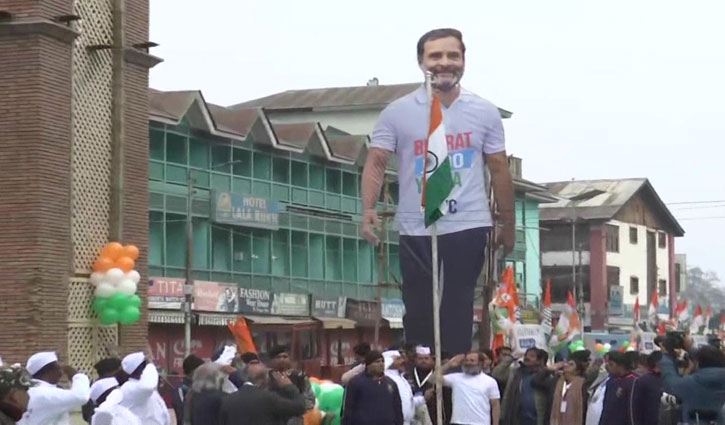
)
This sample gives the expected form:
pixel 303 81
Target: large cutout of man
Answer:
pixel 475 138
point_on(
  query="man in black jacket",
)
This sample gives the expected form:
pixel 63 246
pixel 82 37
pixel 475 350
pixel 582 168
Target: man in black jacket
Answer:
pixel 647 392
pixel 253 405
pixel 372 398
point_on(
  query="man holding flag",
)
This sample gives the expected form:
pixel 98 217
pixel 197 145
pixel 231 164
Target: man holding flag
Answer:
pixel 442 145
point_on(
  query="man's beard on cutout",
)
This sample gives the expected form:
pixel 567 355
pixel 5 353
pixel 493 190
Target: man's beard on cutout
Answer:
pixel 448 85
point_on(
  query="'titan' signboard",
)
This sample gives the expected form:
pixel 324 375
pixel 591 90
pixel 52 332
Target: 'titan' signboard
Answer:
pixel 240 210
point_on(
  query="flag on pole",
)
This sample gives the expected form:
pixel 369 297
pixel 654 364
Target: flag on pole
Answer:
pixel 242 336
pixel 568 326
pixel 510 283
pixel 652 313
pixel 682 313
pixel 438 176
pixel 546 311
pixel 697 320
pixel 636 313
pixel 708 317
pixel 722 321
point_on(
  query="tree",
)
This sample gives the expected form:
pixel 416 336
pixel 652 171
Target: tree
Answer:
pixel 705 288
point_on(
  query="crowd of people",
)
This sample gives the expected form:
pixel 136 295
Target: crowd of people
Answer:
pixel 674 385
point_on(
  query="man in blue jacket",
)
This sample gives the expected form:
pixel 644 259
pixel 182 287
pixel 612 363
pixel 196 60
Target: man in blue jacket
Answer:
pixel 372 398
pixel 703 392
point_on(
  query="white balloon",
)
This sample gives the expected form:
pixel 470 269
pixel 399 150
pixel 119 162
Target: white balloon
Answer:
pixel 105 290
pixel 134 276
pixel 127 287
pixel 97 278
pixel 114 276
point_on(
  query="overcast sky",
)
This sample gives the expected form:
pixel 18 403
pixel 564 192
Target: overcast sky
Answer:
pixel 608 90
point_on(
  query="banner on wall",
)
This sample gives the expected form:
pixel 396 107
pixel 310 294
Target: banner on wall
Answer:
pixel 363 312
pixel 287 304
pixel 255 301
pixel 242 210
pixel 328 306
pixel 168 294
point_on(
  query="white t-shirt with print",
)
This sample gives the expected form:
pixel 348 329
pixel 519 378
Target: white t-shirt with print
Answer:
pixel 472 395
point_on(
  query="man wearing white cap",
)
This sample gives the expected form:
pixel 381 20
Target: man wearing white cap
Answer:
pixel 139 392
pixel 107 396
pixel 422 380
pixel 49 404
pixel 394 368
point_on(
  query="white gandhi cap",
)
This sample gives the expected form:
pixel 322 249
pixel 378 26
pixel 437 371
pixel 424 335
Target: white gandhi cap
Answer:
pixel 101 386
pixel 131 362
pixel 422 351
pixel 40 360
pixel 389 357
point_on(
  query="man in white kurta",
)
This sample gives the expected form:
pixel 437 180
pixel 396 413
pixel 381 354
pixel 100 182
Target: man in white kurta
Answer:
pixel 140 393
pixel 394 367
pixel 49 404
pixel 106 394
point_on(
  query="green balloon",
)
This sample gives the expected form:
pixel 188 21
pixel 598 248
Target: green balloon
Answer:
pixel 130 315
pixel 100 304
pixel 134 301
pixel 109 316
pixel 331 400
pixel 316 389
pixel 625 344
pixel 118 301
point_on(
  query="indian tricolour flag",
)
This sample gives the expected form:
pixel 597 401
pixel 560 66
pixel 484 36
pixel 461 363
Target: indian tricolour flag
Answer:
pixel 438 175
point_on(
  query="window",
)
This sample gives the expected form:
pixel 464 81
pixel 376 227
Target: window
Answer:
pixel 242 160
pixel 281 170
pixel 317 177
pixel 612 238
pixel 333 257
pixel 175 240
pixel 333 181
pixel 317 256
pixel 662 240
pixel 280 253
pixel 262 166
pixel 300 250
pixel 299 174
pixel 634 285
pixel 156 238
pixel 220 249
pixel 349 258
pixel 662 287
pixel 242 252
pixel 349 184
pixel 633 235
pixel 365 261
pixel 176 148
pixel 220 159
pixel 261 251
pixel 199 154
pixel 156 151
pixel 678 270
pixel 200 252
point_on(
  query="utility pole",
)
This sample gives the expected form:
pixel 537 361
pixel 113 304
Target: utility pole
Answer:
pixel 189 286
pixel 117 120
pixel 580 292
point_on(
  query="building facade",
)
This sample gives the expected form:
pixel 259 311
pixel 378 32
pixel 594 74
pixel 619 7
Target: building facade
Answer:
pixel 623 248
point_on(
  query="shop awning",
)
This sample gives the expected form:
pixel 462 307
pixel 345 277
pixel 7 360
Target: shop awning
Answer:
pixel 279 320
pixel 336 322
pixel 211 319
pixel 394 322
pixel 156 316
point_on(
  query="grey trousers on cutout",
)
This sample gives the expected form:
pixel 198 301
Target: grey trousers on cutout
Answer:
pixel 460 255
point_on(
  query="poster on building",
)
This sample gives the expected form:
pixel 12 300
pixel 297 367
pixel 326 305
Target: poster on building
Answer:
pixel 286 304
pixel 527 336
pixel 616 300
pixel 328 306
pixel 241 210
pixel 365 313
pixel 216 297
pixel 255 301
pixel 530 315
pixel 393 308
pixel 168 294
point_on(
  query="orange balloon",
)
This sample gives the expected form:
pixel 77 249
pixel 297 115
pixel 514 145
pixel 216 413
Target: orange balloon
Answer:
pixel 312 417
pixel 102 264
pixel 112 250
pixel 125 263
pixel 130 251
